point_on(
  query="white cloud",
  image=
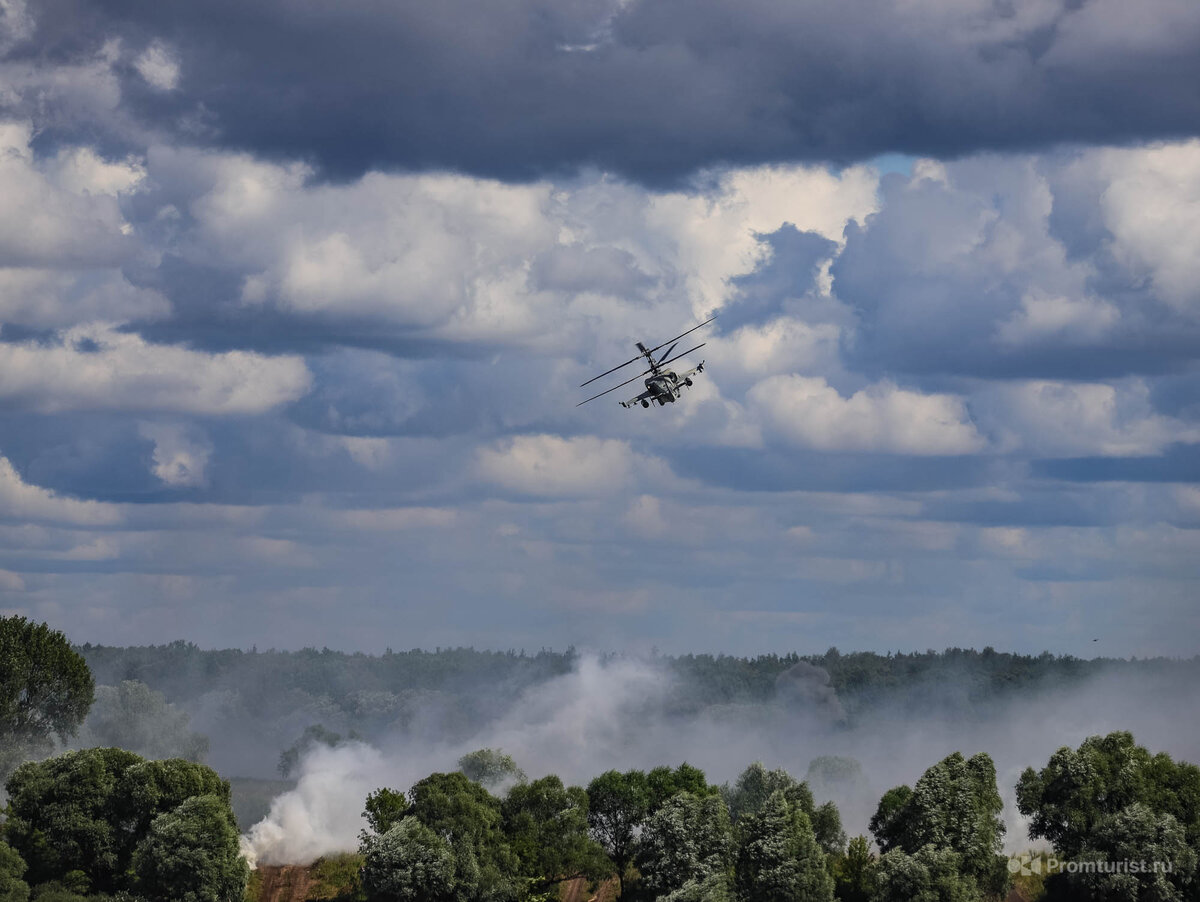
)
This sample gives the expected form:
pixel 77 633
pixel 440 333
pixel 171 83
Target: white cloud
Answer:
pixel 784 345
pixel 1077 419
pixel 807 411
pixel 21 501
pixel 1065 319
pixel 47 222
pixel 158 65
pixel 97 367
pixel 551 466
pixel 49 298
pixel 181 453
pixel 474 259
pixel 1151 205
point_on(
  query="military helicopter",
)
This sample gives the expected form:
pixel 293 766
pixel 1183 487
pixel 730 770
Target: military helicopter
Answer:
pixel 664 386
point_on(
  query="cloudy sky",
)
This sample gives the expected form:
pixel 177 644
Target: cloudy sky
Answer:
pixel 296 298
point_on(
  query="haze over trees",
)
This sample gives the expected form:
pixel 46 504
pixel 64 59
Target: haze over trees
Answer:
pixel 137 718
pixel 256 705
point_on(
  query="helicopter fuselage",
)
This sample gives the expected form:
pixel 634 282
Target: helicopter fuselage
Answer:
pixel 662 385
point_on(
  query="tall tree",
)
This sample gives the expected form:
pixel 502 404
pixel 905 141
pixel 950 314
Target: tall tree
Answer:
pixel 928 875
pixel 1080 788
pixel 546 825
pixel 618 804
pixel 190 854
pixel 490 767
pixel 687 841
pixel 778 859
pixel 63 815
pixel 468 818
pixel 87 811
pixel 854 872
pixel 12 868
pixel 408 863
pixel 755 785
pixel 1111 800
pixel 46 690
pixel 955 806
pixel 663 783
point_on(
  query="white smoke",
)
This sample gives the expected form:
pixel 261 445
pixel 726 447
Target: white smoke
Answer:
pixel 615 713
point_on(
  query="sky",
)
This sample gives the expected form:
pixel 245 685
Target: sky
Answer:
pixel 296 299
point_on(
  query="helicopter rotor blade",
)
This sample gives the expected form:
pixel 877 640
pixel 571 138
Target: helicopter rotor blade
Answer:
pixel 614 388
pixel 666 354
pixel 682 353
pixel 613 370
pixel 688 332
pixel 649 352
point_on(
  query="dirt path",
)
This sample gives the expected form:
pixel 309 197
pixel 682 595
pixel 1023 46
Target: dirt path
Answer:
pixel 577 891
pixel 284 883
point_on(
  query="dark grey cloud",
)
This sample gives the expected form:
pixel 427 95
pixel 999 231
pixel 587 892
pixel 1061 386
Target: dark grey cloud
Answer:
pixel 653 90
pixel 779 284
pixel 1178 463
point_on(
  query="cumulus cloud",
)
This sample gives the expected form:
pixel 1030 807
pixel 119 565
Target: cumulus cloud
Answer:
pixel 654 90
pixel 181 454
pixel 445 257
pixel 21 501
pixel 1152 207
pixel 1076 419
pixel 809 412
pixel 158 65
pixel 54 298
pixel 96 367
pixel 65 213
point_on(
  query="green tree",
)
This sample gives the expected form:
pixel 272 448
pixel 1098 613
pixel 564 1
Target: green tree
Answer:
pixel 385 808
pixel 1110 800
pixel 190 854
pixel 133 716
pixel 1079 789
pixel 64 815
pixel 468 817
pixel 79 817
pixel 1134 834
pixel 12 868
pixel 546 827
pixel 928 875
pixel 755 785
pixel 408 863
pixel 778 859
pixel 686 841
pixel 662 783
pixel 955 806
pixel 490 767
pixel 618 804
pixel 45 690
pixel 854 872
pixel 150 788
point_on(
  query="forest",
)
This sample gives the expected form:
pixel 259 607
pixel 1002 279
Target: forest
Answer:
pixel 112 790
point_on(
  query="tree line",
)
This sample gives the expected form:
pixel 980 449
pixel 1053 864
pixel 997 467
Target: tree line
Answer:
pixel 668 835
pixel 106 823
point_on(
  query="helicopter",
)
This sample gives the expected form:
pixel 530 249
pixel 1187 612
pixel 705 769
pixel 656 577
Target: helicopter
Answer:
pixel 664 386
